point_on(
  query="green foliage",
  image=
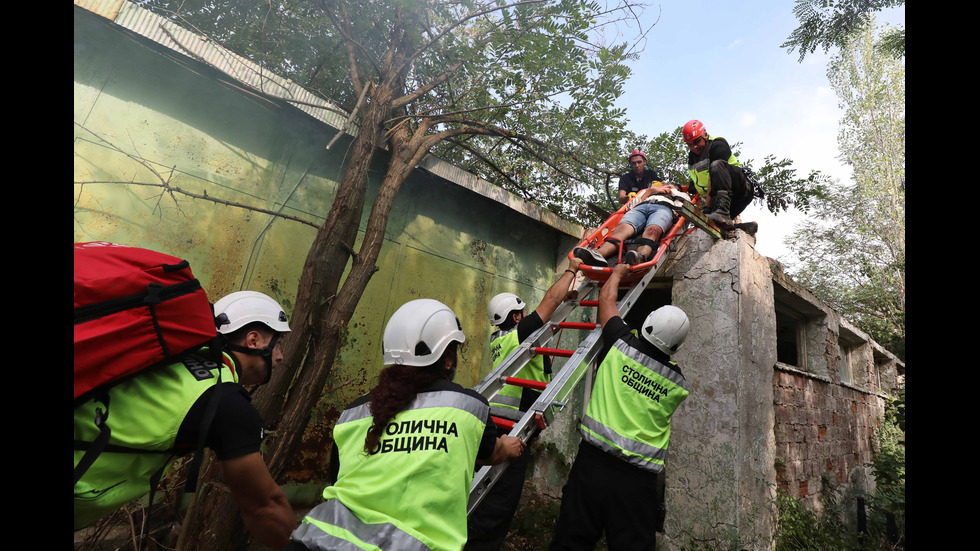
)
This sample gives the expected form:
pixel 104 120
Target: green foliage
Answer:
pixel 892 42
pixel 888 465
pixel 525 91
pixel 801 529
pixel 831 23
pixel 288 39
pixel 784 188
pixel 730 544
pixel 851 252
pixel 667 153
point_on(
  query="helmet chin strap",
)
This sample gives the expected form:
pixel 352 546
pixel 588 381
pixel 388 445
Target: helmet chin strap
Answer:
pixel 265 352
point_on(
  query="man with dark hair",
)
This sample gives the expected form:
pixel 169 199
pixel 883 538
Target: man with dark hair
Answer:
pixel 164 412
pixel 650 219
pixel 638 177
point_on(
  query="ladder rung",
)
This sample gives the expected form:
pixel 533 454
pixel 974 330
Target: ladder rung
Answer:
pixel 576 325
pixel 554 352
pixel 504 424
pixel 588 303
pixel 526 383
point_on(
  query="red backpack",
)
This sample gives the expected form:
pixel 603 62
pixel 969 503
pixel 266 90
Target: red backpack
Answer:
pixel 134 308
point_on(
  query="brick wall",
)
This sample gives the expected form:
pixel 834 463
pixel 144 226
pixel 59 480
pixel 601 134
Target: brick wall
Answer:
pixel 821 427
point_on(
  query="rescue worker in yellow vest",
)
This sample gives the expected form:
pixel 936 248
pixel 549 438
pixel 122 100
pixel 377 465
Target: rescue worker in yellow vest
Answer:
pixel 489 523
pixel 403 454
pixel 162 412
pixel 612 486
pixel 718 177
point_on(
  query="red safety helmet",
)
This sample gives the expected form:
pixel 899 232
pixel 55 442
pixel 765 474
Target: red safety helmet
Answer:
pixel 693 130
pixel 634 153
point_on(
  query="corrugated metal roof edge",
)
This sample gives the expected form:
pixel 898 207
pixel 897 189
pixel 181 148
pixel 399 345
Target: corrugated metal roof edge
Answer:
pixel 183 41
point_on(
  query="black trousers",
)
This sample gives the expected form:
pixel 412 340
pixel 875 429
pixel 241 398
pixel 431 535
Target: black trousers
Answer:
pixel 726 177
pixel 606 494
pixel 487 526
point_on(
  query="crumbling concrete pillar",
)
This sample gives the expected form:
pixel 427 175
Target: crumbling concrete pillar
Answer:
pixel 721 479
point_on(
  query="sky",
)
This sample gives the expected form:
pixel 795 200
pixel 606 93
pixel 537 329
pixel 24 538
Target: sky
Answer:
pixel 720 62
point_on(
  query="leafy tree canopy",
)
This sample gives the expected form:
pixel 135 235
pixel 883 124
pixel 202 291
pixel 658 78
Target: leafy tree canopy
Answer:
pixel 830 24
pixel 521 93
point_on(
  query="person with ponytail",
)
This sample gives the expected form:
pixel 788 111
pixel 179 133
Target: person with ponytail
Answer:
pixel 404 453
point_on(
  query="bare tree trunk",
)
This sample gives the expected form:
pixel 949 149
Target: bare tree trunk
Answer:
pixel 312 343
pixel 322 271
pixel 322 312
pixel 325 310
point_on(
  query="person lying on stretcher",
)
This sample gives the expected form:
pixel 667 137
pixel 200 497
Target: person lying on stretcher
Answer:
pixel 651 217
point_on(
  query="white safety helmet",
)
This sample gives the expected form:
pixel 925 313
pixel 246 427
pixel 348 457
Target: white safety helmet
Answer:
pixel 244 307
pixel 666 328
pixel 501 305
pixel 419 332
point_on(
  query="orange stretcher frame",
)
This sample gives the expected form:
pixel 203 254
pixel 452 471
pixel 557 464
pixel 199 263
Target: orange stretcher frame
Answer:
pixel 598 236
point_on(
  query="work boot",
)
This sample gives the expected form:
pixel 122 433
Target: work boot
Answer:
pixel 590 257
pixel 749 227
pixel 721 214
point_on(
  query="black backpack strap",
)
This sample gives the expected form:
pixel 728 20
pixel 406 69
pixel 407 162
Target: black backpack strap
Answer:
pixel 154 482
pixel 194 468
pixel 94 449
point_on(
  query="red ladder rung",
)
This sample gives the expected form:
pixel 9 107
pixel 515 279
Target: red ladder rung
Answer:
pixel 576 325
pixel 589 303
pixel 526 383
pixel 503 424
pixel 554 352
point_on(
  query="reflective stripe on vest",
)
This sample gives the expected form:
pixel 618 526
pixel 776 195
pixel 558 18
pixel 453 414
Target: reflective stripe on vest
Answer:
pixel 699 171
pixel 425 457
pixel 638 454
pixel 331 526
pixel 632 402
pixel 501 346
pixel 424 400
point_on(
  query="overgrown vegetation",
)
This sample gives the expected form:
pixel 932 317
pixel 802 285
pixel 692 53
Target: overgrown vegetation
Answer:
pixel 839 525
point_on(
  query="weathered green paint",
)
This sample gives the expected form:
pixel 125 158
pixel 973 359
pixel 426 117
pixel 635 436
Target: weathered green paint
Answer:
pixel 139 107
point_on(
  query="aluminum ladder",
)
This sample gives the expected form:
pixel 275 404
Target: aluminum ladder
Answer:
pixel 555 394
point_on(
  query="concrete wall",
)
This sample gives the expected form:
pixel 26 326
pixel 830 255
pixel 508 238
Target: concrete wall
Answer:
pixel 721 456
pixel 146 115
